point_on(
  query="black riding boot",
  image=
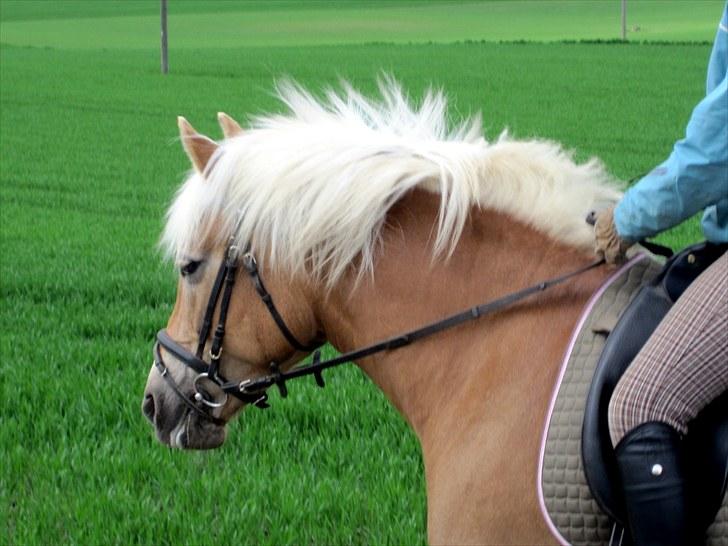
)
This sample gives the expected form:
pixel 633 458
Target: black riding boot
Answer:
pixel 651 462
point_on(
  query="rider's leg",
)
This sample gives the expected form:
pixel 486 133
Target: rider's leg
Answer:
pixel 680 370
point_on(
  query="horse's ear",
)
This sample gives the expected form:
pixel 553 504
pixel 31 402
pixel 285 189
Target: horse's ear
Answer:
pixel 199 148
pixel 230 127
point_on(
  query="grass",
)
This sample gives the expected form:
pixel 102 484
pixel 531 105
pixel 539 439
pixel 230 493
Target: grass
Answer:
pixel 89 162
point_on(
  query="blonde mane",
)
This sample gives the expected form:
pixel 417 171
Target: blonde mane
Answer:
pixel 310 189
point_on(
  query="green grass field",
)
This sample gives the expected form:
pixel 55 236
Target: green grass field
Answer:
pixel 89 161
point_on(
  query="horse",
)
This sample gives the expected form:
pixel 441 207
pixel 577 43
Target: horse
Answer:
pixel 356 219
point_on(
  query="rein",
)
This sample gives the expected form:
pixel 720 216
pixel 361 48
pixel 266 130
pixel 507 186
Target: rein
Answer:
pixel 402 340
pixel 252 391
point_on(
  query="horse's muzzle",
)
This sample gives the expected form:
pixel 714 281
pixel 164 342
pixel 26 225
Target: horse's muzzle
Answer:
pixel 174 423
pixel 197 433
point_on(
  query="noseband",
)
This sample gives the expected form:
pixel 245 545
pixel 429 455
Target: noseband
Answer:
pixel 252 391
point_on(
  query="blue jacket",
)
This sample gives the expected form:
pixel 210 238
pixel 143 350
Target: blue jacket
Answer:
pixel 695 176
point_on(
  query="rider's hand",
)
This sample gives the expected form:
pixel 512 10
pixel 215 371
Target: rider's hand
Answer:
pixel 608 244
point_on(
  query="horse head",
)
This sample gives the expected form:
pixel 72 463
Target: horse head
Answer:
pixel 184 398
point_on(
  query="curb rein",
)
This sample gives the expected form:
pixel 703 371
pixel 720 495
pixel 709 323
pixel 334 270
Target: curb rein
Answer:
pixel 252 391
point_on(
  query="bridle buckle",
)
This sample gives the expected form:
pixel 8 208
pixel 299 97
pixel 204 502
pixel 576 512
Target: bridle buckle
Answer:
pixel 249 262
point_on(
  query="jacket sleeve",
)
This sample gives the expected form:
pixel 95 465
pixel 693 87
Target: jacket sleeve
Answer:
pixel 695 175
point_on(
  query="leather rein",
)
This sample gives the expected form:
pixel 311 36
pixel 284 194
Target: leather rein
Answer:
pixel 252 391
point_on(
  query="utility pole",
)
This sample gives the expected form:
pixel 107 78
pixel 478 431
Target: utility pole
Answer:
pixel 165 61
pixel 624 20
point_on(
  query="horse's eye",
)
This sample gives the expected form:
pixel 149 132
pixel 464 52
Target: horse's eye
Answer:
pixel 189 268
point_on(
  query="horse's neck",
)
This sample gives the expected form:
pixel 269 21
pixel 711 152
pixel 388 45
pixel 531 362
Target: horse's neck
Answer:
pixel 476 394
pixel 494 257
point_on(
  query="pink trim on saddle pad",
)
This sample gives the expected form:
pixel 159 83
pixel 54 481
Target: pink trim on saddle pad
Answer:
pixel 567 356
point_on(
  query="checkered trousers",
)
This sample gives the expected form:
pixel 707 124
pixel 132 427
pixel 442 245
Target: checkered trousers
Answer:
pixel 684 364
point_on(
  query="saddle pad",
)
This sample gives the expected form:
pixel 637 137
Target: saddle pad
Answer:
pixel 569 509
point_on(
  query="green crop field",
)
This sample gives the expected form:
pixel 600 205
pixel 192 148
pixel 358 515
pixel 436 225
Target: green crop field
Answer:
pixel 89 160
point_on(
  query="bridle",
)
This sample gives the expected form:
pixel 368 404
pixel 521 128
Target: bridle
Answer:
pixel 223 285
pixel 252 391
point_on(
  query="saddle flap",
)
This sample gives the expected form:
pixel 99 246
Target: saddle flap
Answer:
pixel 623 344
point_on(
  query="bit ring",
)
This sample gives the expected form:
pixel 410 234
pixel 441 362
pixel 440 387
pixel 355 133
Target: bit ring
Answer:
pixel 200 397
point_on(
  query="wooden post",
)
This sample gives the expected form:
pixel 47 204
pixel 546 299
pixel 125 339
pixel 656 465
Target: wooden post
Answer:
pixel 624 20
pixel 165 61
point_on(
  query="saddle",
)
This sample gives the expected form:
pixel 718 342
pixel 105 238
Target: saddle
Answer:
pixel 578 481
pixel 707 440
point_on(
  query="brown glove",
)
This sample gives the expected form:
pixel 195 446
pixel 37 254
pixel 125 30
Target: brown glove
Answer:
pixel 608 244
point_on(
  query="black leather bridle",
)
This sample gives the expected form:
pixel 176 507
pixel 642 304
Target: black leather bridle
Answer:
pixel 210 372
pixel 252 391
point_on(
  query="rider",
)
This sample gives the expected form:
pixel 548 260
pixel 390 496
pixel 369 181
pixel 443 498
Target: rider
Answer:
pixel 684 364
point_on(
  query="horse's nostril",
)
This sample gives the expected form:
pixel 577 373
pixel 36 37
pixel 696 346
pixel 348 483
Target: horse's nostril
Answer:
pixel 148 407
